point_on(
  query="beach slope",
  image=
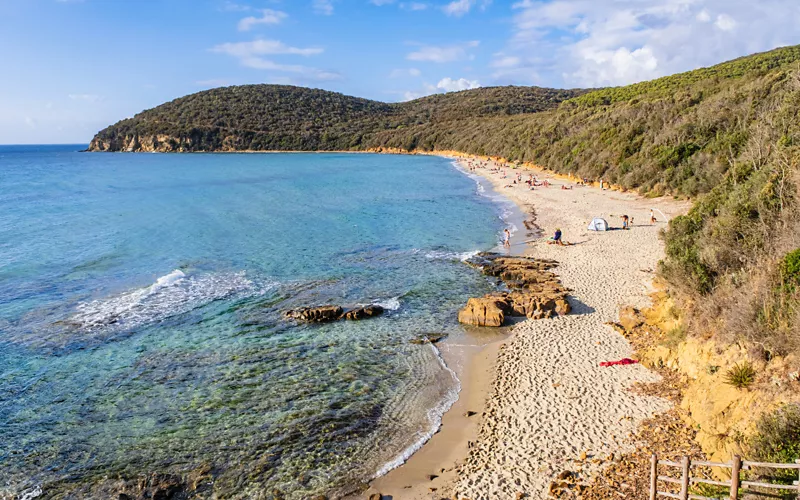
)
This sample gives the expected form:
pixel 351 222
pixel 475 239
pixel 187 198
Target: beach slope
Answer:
pixel 551 406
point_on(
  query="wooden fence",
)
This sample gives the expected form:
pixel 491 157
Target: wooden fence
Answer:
pixel 734 484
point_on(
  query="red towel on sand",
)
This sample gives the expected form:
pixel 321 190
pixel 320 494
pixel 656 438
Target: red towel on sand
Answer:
pixel 624 361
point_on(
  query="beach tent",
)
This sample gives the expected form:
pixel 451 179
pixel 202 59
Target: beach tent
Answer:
pixel 598 224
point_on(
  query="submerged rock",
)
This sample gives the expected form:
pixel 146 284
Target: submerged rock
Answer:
pixel 322 314
pixel 428 338
pixel 327 314
pixel 535 292
pixel 363 312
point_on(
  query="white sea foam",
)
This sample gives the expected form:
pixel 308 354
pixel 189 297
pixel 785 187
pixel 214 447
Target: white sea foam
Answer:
pixel 446 255
pixel 170 295
pixel 28 494
pixel 391 304
pixel 434 415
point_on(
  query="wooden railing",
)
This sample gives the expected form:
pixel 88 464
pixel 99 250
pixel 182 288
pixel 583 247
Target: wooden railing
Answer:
pixel 734 484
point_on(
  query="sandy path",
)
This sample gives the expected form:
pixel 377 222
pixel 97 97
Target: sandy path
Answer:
pixel 550 401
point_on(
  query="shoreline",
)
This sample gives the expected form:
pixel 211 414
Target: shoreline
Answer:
pixel 474 363
pixel 466 452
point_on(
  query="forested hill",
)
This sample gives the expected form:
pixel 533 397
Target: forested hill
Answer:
pixel 280 117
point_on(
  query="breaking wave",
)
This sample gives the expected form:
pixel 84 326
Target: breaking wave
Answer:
pixel 170 295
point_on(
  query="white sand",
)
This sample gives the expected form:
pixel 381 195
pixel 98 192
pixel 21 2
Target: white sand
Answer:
pixel 550 401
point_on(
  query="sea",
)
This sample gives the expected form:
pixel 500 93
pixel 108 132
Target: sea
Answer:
pixel 141 315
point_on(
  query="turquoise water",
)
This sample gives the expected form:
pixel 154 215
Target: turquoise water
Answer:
pixel 140 315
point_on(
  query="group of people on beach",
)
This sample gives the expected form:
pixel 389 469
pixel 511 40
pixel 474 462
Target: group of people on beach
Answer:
pixel 532 182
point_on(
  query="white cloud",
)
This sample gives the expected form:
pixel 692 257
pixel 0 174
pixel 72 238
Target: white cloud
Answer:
pixel 591 43
pixel 30 122
pixel 250 55
pixel 504 61
pixel 412 6
pixel 725 22
pixel 450 85
pixel 458 8
pixel 85 97
pixel 244 50
pixel 234 7
pixel 323 7
pixel 399 73
pixel 443 54
pixel 268 16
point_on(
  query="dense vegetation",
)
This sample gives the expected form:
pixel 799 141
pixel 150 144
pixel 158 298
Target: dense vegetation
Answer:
pixel 725 136
pixel 279 117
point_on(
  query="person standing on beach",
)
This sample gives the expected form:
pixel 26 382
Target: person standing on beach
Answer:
pixel 652 217
pixel 506 238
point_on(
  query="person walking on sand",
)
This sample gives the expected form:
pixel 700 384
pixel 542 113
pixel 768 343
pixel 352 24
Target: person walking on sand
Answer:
pixel 652 217
pixel 625 222
pixel 506 238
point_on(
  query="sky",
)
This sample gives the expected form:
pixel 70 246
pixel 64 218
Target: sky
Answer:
pixel 71 67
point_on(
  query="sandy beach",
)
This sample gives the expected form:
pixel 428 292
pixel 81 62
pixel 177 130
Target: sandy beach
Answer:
pixel 548 406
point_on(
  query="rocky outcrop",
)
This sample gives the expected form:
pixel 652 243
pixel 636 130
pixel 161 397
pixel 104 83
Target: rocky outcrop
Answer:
pixel 722 415
pixel 487 311
pixel 534 291
pixel 155 143
pixel 327 314
pixel 321 314
pixel 363 312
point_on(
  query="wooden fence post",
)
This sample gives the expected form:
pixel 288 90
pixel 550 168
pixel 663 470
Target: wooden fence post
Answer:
pixel 797 483
pixel 653 476
pixel 735 479
pixel 685 479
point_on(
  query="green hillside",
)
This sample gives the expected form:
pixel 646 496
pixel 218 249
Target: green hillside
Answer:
pixel 279 117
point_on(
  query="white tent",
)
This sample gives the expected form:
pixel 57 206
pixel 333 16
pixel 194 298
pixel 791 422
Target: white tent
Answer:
pixel 598 224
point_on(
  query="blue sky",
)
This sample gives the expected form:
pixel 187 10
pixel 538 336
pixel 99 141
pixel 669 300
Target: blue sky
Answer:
pixel 71 67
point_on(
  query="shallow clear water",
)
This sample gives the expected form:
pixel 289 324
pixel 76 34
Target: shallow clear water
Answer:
pixel 140 302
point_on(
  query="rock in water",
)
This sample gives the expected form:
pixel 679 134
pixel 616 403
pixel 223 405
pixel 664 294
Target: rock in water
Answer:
pixel 364 312
pixel 322 314
pixel 487 311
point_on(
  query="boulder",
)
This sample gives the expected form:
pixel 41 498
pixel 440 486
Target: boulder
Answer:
pixel 363 312
pixel 562 307
pixel 322 314
pixel 630 318
pixel 487 311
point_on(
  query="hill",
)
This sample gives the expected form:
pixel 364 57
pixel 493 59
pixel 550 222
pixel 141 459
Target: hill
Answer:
pixel 280 117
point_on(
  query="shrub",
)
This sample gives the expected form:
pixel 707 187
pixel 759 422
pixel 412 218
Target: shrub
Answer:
pixel 790 271
pixel 777 440
pixel 741 376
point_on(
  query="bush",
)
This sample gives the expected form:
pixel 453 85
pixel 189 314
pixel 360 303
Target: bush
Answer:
pixel 741 375
pixel 777 440
pixel 790 271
